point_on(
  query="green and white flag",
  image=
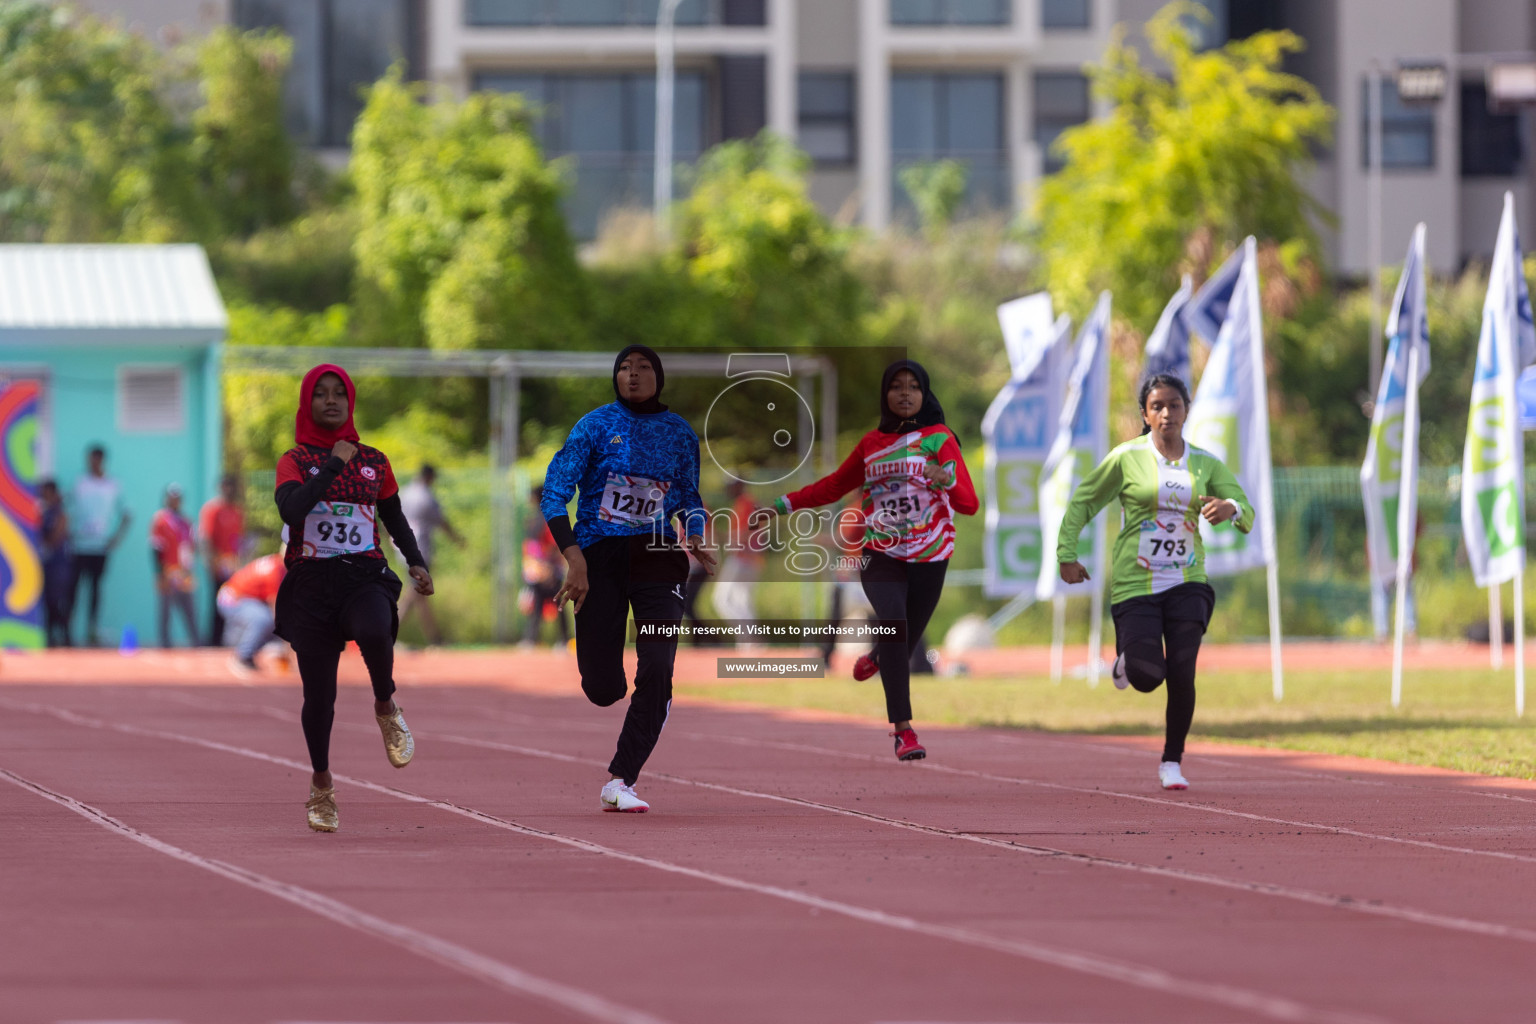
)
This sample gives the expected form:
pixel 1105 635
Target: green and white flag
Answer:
pixel 1017 432
pixel 1391 468
pixel 1493 464
pixel 1082 439
pixel 1230 414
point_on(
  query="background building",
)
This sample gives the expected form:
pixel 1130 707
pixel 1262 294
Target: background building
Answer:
pixel 123 342
pixel 870 86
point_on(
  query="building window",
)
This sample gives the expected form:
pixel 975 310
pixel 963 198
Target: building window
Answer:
pixel 150 400
pixel 606 124
pixel 952 117
pixel 951 12
pixel 1213 31
pixel 339 48
pixel 1061 101
pixel 1490 142
pixel 1407 131
pixel 826 117
pixel 577 13
pixel 1065 13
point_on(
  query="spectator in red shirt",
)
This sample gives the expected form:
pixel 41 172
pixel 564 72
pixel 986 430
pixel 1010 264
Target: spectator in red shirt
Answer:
pixel 220 531
pixel 246 599
pixel 170 543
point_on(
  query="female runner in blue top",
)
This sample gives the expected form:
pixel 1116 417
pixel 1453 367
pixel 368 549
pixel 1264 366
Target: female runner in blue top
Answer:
pixel 637 466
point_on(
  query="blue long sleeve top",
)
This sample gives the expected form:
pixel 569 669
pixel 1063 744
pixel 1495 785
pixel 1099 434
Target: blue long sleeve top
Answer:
pixel 635 471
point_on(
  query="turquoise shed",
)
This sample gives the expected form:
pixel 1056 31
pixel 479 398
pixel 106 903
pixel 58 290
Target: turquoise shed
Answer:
pixel 122 343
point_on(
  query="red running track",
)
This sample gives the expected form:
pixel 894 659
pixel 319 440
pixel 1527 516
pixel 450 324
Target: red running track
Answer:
pixel 155 866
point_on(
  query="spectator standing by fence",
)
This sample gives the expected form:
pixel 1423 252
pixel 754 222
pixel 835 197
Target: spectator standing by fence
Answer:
pixel 220 531
pixel 419 503
pixel 172 551
pixel 95 501
pixel 58 565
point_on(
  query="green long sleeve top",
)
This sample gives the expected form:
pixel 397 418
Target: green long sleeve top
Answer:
pixel 1159 542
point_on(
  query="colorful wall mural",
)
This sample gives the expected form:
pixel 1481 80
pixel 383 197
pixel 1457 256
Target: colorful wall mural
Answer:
pixel 21 573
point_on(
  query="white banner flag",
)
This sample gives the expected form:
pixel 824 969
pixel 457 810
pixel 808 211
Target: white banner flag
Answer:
pixel 1493 463
pixel 1391 468
pixel 1082 439
pixel 1230 415
pixel 1017 431
pixel 1167 349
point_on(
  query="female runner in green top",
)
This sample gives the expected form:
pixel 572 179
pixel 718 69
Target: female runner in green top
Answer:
pixel 1160 599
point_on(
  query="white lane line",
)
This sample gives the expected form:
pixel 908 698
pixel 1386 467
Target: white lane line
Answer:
pixel 1089 744
pixel 1084 743
pixel 1126 972
pixel 1320 899
pixel 449 954
pixel 1188 805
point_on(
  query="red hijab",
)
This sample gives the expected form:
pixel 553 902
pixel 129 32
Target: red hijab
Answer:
pixel 305 429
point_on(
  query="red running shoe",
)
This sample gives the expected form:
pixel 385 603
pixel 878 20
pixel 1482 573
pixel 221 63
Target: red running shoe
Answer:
pixel 865 667
pixel 907 747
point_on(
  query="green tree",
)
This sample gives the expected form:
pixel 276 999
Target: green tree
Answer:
pixel 756 245
pixel 937 189
pixel 1215 149
pixel 89 149
pixel 461 242
pixel 240 143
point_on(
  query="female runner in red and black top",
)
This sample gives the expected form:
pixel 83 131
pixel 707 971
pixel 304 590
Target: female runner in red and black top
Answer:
pixel 913 480
pixel 331 491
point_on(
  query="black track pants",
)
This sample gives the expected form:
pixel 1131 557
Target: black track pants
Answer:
pixel 623 574
pixel 906 591
pixel 1160 637
pixel 369 620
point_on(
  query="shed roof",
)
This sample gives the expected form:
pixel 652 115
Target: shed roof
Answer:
pixel 108 295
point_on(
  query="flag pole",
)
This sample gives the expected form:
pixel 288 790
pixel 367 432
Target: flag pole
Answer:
pixel 1495 629
pixel 1058 629
pixel 1266 502
pixel 1406 501
pixel 1520 640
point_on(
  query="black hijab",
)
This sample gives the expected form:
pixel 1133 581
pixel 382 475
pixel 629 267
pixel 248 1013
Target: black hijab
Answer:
pixel 928 415
pixel 652 404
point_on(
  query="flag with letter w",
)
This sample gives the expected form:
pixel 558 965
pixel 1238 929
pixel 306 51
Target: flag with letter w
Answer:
pixel 1493 464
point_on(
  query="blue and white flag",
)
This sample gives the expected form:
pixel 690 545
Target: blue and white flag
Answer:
pixel 1493 463
pixel 1167 350
pixel 1230 417
pixel 1391 470
pixel 1017 431
pixel 1208 310
pixel 1082 439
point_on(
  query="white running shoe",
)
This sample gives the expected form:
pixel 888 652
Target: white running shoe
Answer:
pixel 1169 774
pixel 1117 672
pixel 617 796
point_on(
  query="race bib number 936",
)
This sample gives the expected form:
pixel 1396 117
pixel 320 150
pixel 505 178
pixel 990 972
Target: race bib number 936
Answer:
pixel 335 528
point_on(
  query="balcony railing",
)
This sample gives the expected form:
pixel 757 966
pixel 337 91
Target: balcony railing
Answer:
pixel 951 12
pixel 607 13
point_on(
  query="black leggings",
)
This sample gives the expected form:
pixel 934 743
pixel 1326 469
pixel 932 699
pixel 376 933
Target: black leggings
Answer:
pixel 1160 637
pixel 89 570
pixel 623 573
pixel 368 619
pixel 901 591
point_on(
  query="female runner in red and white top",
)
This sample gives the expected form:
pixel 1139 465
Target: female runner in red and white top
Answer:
pixel 913 481
pixel 332 491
